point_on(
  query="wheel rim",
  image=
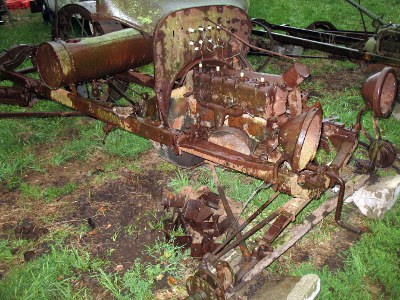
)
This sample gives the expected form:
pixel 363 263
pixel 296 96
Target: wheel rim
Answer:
pixel 74 21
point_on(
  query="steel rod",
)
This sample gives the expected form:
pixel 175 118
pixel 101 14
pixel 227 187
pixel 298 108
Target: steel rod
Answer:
pixel 245 223
pixel 367 12
pixel 249 233
pixel 231 217
pixel 41 114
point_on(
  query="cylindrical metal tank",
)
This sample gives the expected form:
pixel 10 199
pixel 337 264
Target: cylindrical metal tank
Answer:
pixel 62 63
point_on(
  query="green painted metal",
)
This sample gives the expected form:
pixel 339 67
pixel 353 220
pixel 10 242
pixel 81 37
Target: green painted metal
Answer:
pixel 144 15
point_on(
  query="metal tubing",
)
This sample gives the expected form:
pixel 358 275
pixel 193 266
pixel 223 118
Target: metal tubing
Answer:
pixel 250 232
pixel 41 114
pixel 340 201
pixel 245 223
pixel 104 112
pixel 330 48
pixel 338 37
pixel 231 217
pixel 339 205
pixel 63 63
pixel 367 12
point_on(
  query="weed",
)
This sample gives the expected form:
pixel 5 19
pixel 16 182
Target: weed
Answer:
pixel 138 281
pixel 109 252
pixel 125 144
pixel 46 194
pixel 180 181
pixel 166 167
pixel 130 229
pixel 115 235
pixel 156 223
pixel 135 167
pixel 5 252
pixel 83 229
pixel 111 283
pixel 49 277
pixel 170 257
pixel 58 235
pixel 373 260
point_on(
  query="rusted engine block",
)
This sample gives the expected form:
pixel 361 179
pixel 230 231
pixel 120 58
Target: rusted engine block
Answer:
pixel 209 105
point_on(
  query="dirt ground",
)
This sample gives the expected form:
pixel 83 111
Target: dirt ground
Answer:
pixel 121 211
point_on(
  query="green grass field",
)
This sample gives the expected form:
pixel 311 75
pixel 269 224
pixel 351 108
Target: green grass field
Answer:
pixel 371 266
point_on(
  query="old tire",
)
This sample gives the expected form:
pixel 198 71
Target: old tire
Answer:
pixel 185 160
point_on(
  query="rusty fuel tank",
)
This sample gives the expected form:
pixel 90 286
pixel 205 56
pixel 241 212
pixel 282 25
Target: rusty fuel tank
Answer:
pixel 62 63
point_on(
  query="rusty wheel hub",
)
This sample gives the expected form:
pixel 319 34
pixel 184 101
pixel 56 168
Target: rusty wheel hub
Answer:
pixel 204 286
pixel 382 153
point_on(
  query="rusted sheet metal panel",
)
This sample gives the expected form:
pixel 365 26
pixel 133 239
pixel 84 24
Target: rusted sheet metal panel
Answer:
pixel 379 91
pixel 144 15
pixel 344 140
pixel 62 63
pixel 185 38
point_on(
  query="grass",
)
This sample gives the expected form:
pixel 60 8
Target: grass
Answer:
pixel 51 276
pixel 36 193
pixel 5 251
pixel 30 31
pixel 371 266
pixel 138 282
pixel 21 141
pixel 340 13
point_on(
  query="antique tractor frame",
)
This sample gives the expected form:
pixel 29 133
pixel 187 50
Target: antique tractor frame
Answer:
pixel 209 105
pixel 373 50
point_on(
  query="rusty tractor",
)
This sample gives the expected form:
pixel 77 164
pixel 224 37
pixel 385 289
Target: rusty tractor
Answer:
pixel 209 105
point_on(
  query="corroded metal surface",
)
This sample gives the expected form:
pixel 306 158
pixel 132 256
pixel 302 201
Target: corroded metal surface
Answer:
pixel 379 92
pixel 185 38
pixel 372 49
pixel 209 105
pixel 144 15
pixel 106 113
pixel 62 63
pixel 202 216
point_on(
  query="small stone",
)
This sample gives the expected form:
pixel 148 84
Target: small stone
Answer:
pixel 306 289
pixel 375 199
pixel 159 277
pixel 119 267
pixel 289 288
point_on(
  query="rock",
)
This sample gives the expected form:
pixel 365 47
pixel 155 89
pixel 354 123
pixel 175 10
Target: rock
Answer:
pixel 306 289
pixel 375 199
pixel 290 288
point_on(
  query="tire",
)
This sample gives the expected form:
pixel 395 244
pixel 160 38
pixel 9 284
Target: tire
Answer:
pixel 185 160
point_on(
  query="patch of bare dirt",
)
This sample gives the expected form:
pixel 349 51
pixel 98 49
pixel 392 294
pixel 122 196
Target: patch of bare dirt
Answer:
pixel 122 211
pixel 122 214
